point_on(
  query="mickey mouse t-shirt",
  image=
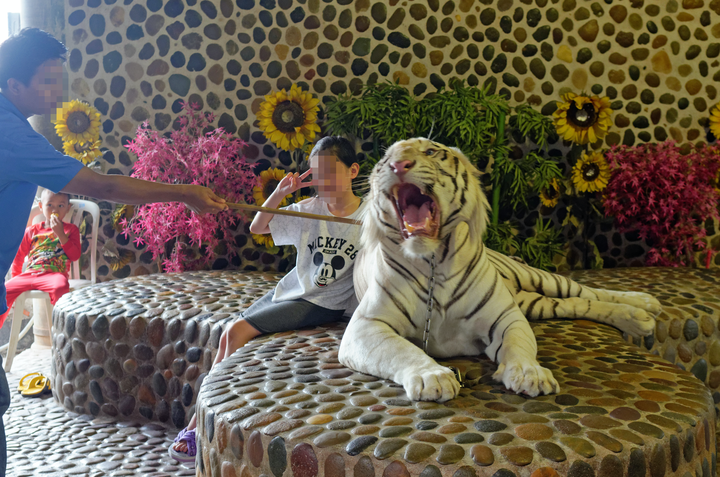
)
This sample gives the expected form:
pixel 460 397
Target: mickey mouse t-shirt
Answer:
pixel 326 252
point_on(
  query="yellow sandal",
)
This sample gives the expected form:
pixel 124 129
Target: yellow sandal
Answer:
pixel 38 385
pixel 25 381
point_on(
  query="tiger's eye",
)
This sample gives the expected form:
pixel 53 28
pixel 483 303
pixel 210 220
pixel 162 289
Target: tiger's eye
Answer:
pixel 430 152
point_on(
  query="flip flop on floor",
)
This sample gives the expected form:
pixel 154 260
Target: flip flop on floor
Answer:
pixel 189 438
pixel 37 386
pixel 25 381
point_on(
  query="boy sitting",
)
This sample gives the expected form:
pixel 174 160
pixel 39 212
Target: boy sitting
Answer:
pixel 50 247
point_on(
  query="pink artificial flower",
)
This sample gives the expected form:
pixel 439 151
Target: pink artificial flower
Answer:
pixel 665 195
pixel 190 156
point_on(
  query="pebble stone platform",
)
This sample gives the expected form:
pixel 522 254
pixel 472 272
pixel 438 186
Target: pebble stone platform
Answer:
pixel 283 406
pixel 140 348
pixel 44 439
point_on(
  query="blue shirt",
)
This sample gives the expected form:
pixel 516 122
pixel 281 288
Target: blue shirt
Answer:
pixel 27 160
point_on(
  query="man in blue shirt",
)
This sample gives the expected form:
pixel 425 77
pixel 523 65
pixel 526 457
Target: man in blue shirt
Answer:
pixel 31 82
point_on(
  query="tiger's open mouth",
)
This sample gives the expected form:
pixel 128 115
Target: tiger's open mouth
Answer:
pixel 417 212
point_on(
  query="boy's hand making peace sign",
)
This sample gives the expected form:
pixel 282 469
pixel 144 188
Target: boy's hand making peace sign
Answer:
pixel 292 182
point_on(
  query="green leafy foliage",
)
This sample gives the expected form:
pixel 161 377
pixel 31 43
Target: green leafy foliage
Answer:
pixel 501 238
pixel 539 249
pixel 472 120
pixel 532 124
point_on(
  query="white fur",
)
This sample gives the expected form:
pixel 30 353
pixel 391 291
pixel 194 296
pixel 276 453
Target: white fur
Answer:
pixel 384 337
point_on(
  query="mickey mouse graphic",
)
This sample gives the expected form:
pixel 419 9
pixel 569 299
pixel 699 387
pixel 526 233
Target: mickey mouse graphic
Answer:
pixel 326 272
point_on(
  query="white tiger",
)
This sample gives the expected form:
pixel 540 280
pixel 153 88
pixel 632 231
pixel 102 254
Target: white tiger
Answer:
pixel 425 200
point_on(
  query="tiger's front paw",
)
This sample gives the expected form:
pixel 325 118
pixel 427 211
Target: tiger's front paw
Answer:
pixel 641 300
pixel 634 321
pixel 435 384
pixel 527 378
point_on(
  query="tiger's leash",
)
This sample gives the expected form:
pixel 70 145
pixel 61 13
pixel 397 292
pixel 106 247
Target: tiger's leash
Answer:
pixel 428 317
pixel 304 215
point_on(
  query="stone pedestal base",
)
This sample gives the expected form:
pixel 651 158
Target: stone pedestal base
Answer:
pixel 283 406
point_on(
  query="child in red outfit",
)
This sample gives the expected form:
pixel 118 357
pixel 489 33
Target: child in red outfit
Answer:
pixel 50 247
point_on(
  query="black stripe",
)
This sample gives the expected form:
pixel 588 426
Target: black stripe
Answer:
pixel 540 288
pixel 468 270
pixel 447 249
pixel 399 306
pixel 530 308
pixel 458 248
pixel 502 342
pixel 483 302
pixel 499 319
pixel 381 321
pixel 450 217
pixel 405 272
pixel 560 291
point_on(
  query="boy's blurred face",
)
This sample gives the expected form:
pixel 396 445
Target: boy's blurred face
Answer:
pixel 332 178
pixel 54 204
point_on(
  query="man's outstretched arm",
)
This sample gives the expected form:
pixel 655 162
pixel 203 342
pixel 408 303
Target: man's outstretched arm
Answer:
pixel 128 190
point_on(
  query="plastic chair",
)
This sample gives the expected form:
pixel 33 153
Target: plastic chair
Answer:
pixel 78 208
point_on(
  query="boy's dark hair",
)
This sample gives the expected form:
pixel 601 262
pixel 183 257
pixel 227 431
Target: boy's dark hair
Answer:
pixel 47 192
pixel 337 146
pixel 21 54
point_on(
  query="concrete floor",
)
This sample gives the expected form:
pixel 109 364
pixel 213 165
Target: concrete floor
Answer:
pixel 43 439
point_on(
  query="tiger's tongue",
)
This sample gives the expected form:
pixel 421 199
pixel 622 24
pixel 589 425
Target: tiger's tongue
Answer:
pixel 417 217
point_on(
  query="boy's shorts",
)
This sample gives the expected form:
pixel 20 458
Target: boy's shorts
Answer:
pixel 269 317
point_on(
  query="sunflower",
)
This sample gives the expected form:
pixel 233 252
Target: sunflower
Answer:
pixel 591 173
pixel 267 183
pixel 122 212
pixel 549 195
pixel 715 121
pixel 78 122
pixel 307 149
pixel 265 240
pixel 582 119
pixel 116 258
pixel 85 152
pixel 288 119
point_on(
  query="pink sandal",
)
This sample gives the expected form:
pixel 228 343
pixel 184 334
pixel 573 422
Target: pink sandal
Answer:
pixel 189 438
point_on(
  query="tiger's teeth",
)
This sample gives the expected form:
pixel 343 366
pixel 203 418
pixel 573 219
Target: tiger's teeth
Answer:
pixel 409 227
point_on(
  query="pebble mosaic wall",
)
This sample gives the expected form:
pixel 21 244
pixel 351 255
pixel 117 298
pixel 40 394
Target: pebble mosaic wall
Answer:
pixel 135 60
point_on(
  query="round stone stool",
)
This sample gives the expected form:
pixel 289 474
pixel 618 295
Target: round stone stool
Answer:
pixel 284 406
pixel 140 347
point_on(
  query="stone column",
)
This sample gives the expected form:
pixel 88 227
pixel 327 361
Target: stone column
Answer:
pixel 48 15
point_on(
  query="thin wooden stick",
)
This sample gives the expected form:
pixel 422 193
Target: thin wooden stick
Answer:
pixel 327 218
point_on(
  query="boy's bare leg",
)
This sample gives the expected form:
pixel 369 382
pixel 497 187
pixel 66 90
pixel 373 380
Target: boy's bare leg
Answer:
pixel 235 336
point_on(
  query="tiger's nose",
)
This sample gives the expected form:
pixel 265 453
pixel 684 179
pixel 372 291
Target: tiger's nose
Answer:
pixel 401 167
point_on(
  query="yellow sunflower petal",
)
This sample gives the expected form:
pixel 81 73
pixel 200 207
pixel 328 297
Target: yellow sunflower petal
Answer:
pixel 303 132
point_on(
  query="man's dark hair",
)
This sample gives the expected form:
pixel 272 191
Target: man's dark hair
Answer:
pixel 21 54
pixel 337 146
